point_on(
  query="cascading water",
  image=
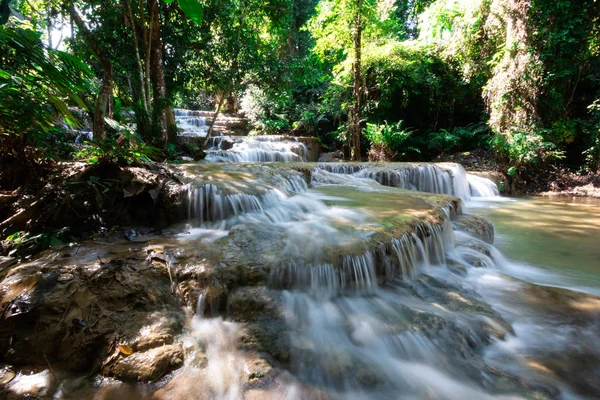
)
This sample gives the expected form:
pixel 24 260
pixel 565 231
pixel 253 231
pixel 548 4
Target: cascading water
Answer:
pixel 373 292
pixel 439 178
pixel 384 320
pixel 256 149
pixel 191 123
pixel 482 187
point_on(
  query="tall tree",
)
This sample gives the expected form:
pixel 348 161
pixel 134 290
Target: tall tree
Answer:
pixel 340 28
pixel 104 96
pixel 163 119
pixel 354 118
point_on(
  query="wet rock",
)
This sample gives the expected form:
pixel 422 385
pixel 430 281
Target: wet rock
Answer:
pixel 160 331
pixel 145 366
pixel 190 384
pixel 331 157
pixel 476 226
pixel 257 368
pixel 40 385
pixel 254 303
pixel 268 336
pixel 6 262
pixel 265 330
pixel 69 310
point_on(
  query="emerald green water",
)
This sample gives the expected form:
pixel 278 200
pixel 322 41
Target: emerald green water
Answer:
pixel 560 235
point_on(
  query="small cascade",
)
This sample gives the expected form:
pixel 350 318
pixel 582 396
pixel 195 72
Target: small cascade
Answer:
pixel 206 203
pixel 201 305
pixel 403 257
pixel 442 179
pixel 221 142
pixel 357 275
pixel 191 123
pixel 216 341
pixel 482 187
pixel 255 149
pixel 369 313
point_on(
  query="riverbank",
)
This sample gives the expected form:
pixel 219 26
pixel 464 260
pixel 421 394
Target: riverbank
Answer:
pixel 555 181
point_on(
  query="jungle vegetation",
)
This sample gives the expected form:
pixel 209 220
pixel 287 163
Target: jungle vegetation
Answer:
pixel 406 80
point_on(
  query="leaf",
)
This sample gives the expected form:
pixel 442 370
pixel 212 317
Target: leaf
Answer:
pixel 193 9
pixel 125 350
pixel 17 14
pixel 151 296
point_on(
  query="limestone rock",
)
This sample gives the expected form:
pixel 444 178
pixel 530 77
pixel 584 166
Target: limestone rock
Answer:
pixel 146 366
pixel 68 309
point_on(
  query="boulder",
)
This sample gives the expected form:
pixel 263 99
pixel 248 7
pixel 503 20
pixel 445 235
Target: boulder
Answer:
pixel 69 309
pixel 144 366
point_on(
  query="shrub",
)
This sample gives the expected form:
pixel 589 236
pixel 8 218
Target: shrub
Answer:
pixel 390 140
pixel 123 146
pixel 526 150
pixel 592 134
pixel 458 139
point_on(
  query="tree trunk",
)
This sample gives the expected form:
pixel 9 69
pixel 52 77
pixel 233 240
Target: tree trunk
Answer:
pixel 354 117
pixel 137 56
pixel 147 46
pixel 104 96
pixel 162 114
pixel 212 123
pixel 141 115
pixel 171 124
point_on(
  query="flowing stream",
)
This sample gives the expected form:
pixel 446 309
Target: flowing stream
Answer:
pixel 359 286
pixel 457 320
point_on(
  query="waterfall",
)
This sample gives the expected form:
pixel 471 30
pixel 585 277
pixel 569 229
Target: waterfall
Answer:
pixel 371 311
pixel 201 305
pixel 208 202
pixel 433 178
pixel 256 149
pixel 482 187
pixel 191 123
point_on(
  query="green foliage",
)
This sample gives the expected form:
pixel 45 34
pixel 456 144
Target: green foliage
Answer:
pixel 526 150
pixel 440 66
pixel 390 136
pixel 36 86
pixel 458 139
pixel 192 9
pixel 123 147
pixel 266 113
pixel 310 119
pixel 24 243
pixel 171 152
pixel 592 131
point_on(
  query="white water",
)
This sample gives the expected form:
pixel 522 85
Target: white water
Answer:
pixel 352 337
pixel 433 178
pixel 191 123
pixel 256 149
pixel 398 321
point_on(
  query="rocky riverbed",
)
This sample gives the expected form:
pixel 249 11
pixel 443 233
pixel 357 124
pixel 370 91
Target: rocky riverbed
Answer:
pixel 230 293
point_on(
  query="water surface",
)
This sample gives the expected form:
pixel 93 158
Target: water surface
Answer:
pixel 558 236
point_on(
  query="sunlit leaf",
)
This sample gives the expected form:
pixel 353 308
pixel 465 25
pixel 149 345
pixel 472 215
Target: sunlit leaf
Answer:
pixel 125 350
pixel 193 9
